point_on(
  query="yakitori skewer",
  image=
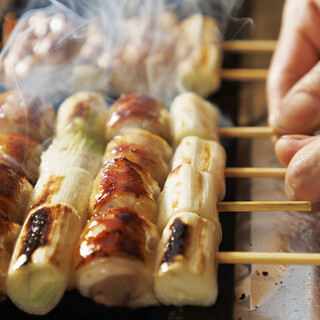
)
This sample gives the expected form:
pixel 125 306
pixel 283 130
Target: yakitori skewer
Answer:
pixel 245 206
pixel 249 46
pixel 244 74
pixel 246 132
pixel 255 172
pixel 282 258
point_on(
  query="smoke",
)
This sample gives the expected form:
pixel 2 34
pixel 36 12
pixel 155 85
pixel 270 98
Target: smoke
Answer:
pixel 113 47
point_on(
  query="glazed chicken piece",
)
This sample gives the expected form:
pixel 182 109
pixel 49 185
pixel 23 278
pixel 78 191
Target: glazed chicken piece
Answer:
pixel 115 261
pixel 122 183
pixel 138 111
pixel 144 148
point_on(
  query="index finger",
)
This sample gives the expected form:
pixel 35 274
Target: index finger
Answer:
pixel 297 50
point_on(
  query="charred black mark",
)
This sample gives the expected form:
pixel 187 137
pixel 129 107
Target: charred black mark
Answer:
pixel 177 241
pixel 38 228
pixel 82 110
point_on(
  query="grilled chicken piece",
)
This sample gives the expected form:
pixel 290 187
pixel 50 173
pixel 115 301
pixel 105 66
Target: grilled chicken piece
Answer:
pixel 9 232
pixel 15 191
pixel 144 148
pixel 83 111
pixel 41 262
pixel 21 113
pixel 138 111
pixel 188 189
pixel 21 152
pixel 115 259
pixel 122 183
pixel 203 155
pixel 191 115
pixel 186 272
pixel 199 55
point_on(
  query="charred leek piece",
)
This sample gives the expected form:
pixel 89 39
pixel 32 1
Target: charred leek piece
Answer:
pixel 116 259
pixel 122 183
pixel 188 189
pixel 138 111
pixel 203 155
pixel 40 266
pixel 198 48
pixel 186 270
pixel 144 148
pixel 191 115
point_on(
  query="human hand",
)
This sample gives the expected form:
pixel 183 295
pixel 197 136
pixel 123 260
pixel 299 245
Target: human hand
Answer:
pixel 293 93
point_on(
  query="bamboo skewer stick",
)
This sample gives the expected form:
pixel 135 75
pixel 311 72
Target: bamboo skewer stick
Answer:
pixel 248 206
pixel 255 172
pixel 244 74
pixel 281 258
pixel 246 132
pixel 249 46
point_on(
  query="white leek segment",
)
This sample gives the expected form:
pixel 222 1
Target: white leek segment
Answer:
pixel 203 155
pixel 144 148
pixel 188 189
pixel 191 115
pixel 115 260
pixel 83 111
pixel 40 266
pixel 186 272
pixel 73 150
pixel 199 55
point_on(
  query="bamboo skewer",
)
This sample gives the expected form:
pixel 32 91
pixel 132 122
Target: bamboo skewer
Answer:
pixel 246 132
pixel 244 74
pixel 281 258
pixel 255 172
pixel 248 206
pixel 249 46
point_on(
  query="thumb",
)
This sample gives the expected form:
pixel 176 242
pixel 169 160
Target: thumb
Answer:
pixel 299 110
pixel 302 180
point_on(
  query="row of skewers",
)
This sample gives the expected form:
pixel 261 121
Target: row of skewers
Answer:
pixel 105 217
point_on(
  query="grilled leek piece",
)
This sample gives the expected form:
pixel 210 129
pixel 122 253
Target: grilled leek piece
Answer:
pixel 115 260
pixel 22 153
pixel 40 266
pixel 138 111
pixel 203 155
pixel 21 113
pixel 191 115
pixel 9 232
pixel 199 55
pixel 186 271
pixel 122 183
pixel 188 189
pixel 144 148
pixel 83 111
pixel 73 150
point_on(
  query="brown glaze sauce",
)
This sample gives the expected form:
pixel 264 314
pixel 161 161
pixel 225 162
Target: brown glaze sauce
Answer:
pixel 177 242
pixel 134 106
pixel 116 232
pixel 10 181
pixel 117 177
